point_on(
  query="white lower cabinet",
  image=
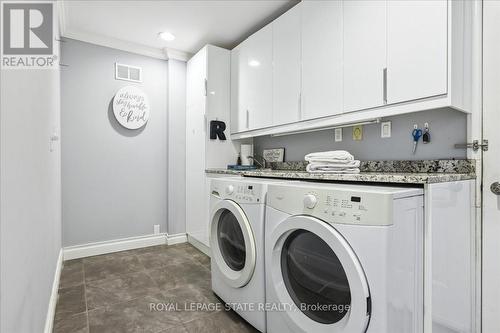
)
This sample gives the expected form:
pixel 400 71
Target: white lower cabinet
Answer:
pixel 321 59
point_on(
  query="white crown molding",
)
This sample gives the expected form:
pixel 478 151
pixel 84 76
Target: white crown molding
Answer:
pixel 61 14
pixel 176 54
pixel 115 43
pixel 119 44
pixel 51 311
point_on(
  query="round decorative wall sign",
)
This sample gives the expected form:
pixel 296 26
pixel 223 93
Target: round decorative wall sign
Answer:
pixel 131 107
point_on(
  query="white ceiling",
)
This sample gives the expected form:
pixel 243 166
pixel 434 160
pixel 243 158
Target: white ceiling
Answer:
pixel 194 23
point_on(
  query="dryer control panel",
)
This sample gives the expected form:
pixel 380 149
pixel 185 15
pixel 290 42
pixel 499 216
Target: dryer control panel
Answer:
pixel 337 203
pixel 239 191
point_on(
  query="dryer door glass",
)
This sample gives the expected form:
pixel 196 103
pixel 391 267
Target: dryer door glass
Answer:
pixel 314 277
pixel 231 241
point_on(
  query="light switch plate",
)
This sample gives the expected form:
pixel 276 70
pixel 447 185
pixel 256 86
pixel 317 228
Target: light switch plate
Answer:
pixel 338 134
pixel 357 133
pixel 156 229
pixel 385 129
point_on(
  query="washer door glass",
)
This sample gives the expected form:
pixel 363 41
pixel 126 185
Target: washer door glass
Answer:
pixel 314 277
pixel 231 241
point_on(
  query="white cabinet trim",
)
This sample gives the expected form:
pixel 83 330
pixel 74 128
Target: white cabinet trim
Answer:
pixel 356 116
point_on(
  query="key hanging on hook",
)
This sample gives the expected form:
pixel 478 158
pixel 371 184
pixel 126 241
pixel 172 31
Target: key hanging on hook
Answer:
pixel 426 137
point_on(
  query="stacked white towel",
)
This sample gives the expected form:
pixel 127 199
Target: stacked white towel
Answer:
pixel 336 161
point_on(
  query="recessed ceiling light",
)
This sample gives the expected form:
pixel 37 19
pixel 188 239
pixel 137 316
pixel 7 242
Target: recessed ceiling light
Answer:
pixel 166 36
pixel 254 63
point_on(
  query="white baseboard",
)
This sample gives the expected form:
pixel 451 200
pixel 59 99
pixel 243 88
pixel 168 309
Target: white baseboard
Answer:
pixel 117 245
pixel 176 239
pixel 199 245
pixel 51 311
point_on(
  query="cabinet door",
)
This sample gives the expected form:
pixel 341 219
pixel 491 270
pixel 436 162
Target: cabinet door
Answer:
pixel 239 91
pixel 286 69
pixel 321 58
pixel 364 53
pixel 219 153
pixel 416 49
pixel 258 73
pixel 195 136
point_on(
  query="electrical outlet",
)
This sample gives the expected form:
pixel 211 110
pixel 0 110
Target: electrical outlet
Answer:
pixel 156 229
pixel 385 129
pixel 357 133
pixel 338 134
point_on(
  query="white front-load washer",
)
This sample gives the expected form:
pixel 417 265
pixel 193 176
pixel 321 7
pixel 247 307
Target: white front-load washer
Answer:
pixel 237 212
pixel 344 258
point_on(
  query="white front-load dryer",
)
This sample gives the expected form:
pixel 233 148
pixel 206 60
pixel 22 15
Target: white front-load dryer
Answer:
pixel 344 258
pixel 237 212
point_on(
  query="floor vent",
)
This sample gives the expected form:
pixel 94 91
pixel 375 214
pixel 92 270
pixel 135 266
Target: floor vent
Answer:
pixel 128 73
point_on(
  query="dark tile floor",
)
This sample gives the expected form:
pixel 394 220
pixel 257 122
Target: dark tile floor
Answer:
pixel 115 293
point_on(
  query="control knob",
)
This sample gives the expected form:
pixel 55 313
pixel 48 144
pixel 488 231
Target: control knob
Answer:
pixel 229 189
pixel 310 201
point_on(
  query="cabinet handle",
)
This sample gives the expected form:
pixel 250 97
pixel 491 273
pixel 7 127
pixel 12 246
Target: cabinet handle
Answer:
pixel 206 87
pixel 385 85
pixel 248 119
pixel 300 105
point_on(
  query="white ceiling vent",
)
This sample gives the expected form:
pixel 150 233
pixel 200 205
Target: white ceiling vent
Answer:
pixel 128 73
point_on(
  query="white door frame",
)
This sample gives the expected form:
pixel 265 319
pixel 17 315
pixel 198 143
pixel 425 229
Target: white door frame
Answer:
pixel 475 132
pixel 490 202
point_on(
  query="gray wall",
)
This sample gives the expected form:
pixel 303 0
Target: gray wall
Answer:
pixel 30 197
pixel 176 147
pixel 114 180
pixel 447 127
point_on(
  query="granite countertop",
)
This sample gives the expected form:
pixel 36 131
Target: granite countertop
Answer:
pixel 408 172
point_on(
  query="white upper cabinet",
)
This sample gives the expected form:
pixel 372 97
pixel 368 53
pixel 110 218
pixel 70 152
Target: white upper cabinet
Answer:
pixel 259 66
pixel 321 58
pixel 417 33
pixel 286 69
pixel 325 63
pixel 239 92
pixel 365 57
pixel 252 82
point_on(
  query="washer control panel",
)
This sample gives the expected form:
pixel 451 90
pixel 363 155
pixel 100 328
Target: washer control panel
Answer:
pixel 310 201
pixel 334 204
